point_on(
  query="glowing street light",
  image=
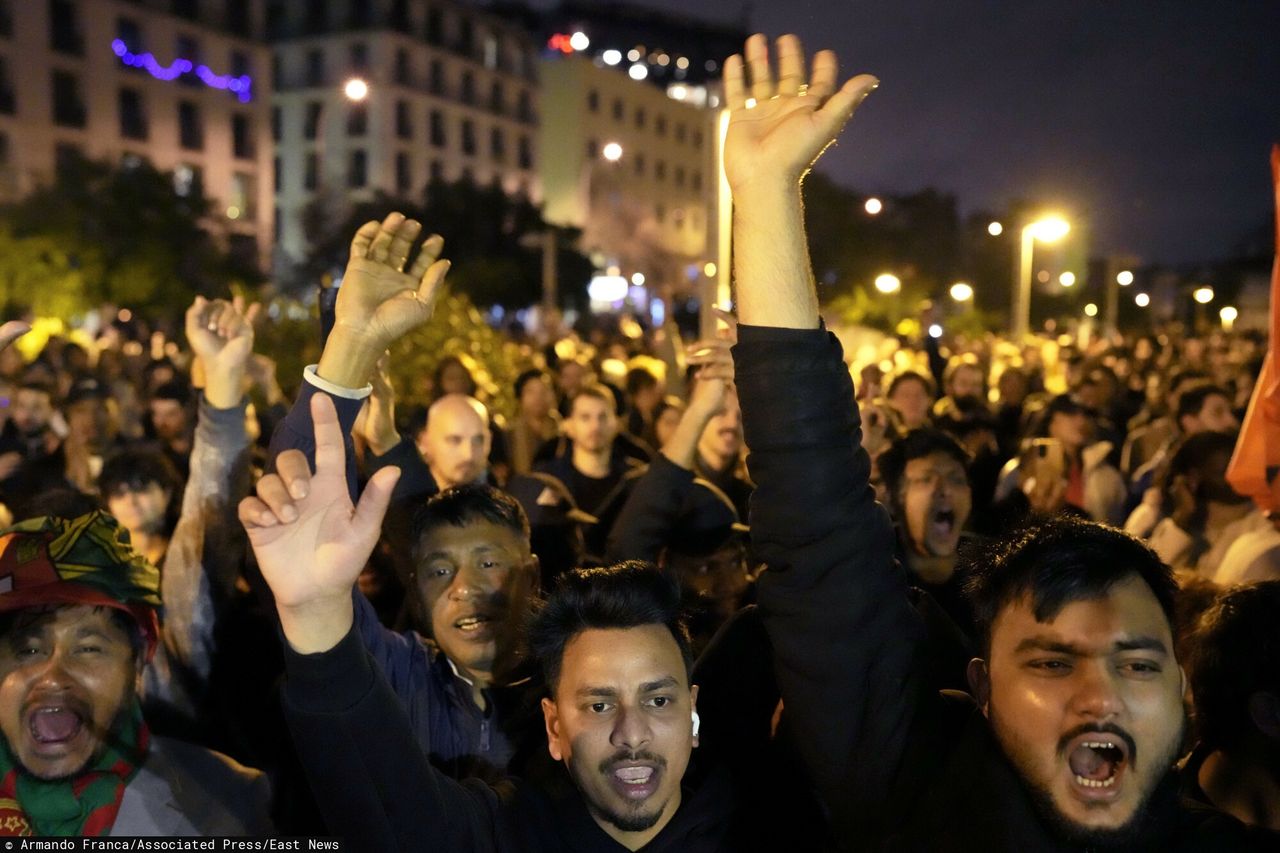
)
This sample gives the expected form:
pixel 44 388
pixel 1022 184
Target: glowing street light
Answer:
pixel 579 41
pixel 1067 279
pixel 873 206
pixel 1142 300
pixel 1228 315
pixel 995 229
pixel 961 291
pixel 612 152
pixel 1091 310
pixel 1049 229
pixel 935 331
pixel 1124 278
pixel 888 283
pixel 356 89
pixel 1203 295
pixel 637 279
pixel 638 71
pixel 611 56
pixel 709 269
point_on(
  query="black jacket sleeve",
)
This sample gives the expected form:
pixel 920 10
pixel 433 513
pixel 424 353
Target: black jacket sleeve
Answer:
pixel 371 780
pixel 415 480
pixel 847 642
pixel 644 525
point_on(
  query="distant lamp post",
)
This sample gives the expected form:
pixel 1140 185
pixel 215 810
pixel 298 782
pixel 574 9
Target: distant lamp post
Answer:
pixel 612 152
pixel 873 206
pixel 1228 315
pixel 579 41
pixel 888 283
pixel 995 229
pixel 709 269
pixel 1067 279
pixel 961 291
pixel 1142 300
pixel 1050 229
pixel 1124 278
pixel 1203 295
pixel 638 279
pixel 1091 310
pixel 356 89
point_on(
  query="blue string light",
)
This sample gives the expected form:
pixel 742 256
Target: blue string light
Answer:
pixel 241 86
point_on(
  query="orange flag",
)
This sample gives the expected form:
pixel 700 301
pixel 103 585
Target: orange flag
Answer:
pixel 1257 456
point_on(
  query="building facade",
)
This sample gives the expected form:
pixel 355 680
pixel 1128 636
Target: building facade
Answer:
pixel 445 91
pixel 182 84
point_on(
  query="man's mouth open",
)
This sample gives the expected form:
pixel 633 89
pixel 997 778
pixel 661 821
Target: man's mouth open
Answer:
pixel 52 726
pixel 1098 761
pixel 635 781
pixel 476 625
pixel 942 522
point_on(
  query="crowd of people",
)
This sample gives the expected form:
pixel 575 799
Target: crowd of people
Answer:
pixel 992 595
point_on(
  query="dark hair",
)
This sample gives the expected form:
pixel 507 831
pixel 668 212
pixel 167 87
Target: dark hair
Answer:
pixel 638 379
pixel 916 444
pixel 135 469
pixel 1235 654
pixel 1058 561
pixel 528 376
pixel 1191 400
pixel 627 595
pixel 912 376
pixel 1194 451
pixel 464 505
pixel 177 390
pixel 438 376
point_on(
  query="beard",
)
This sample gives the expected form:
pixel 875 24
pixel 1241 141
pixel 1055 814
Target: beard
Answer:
pixel 633 819
pixel 1158 805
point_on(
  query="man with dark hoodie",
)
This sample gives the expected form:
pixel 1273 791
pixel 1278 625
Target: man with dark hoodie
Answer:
pixel 1077 710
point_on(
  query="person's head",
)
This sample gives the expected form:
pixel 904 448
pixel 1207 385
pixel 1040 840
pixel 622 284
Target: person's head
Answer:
pixel 138 488
pixel 534 395
pixel 666 417
pixel 473 573
pixel 1204 406
pixel 1014 385
pixel 169 411
pixel 621 712
pixel 925 475
pixel 571 375
pixel 455 441
pixel 1201 460
pixel 721 440
pixel 75 359
pixel 32 408
pixel 1078 675
pixel 870 380
pixel 76 628
pixel 964 377
pixel 592 424
pixel 1069 421
pixel 158 373
pixel 453 377
pixel 1234 671
pixel 644 390
pixel 911 396
pixel 90 421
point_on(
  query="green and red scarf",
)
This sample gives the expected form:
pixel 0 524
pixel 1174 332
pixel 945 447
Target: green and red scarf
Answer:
pixel 85 805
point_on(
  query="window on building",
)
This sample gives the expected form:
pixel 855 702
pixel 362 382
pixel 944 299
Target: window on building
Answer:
pixel 317 20
pixel 697 139
pixel 311 171
pixel 315 67
pixel 680 176
pixel 640 118
pixel 434 30
pixel 404 122
pixel 618 110
pixel 466 36
pixel 468 88
pixel 6 22
pixel 660 213
pixel 190 128
pixel 67 158
pixel 242 136
pixel 133 115
pixel 64 27
pixel 524 153
pixel 681 131
pixel 497 144
pixel 696 181
pixel 188 48
pixel 400 15
pixel 277 175
pixel 660 170
pixel 240 199
pixel 436 78
pixel 660 125
pixel 241 66
pixel 438 136
pixel 437 170
pixel 188 180
pixel 524 106
pixel 238 19
pixel 277 72
pixel 403 75
pixel 468 137
pixel 4 148
pixel 359 56
pixel 640 164
pixel 404 172
pixel 357 120
pixel 8 102
pixel 189 9
pixel 358 169
pixel 593 149
pixel 593 101
pixel 276 122
pixel 129 32
pixel 497 98
pixel 311 124
pixel 360 15
pixel 68 100
pixel 490 58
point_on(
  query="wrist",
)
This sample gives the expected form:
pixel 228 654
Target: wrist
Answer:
pixel 348 358
pixel 766 189
pixel 222 388
pixel 318 625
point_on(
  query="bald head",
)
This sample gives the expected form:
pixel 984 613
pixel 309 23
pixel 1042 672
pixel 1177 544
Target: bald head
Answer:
pixel 455 442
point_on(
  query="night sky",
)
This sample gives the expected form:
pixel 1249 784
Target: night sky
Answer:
pixel 1151 118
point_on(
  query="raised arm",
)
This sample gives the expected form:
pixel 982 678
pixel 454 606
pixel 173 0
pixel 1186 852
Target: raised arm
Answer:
pixel 846 641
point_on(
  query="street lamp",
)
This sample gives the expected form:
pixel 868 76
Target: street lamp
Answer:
pixel 1142 300
pixel 1228 315
pixel 961 291
pixel 873 206
pixel 612 152
pixel 1124 278
pixel 356 89
pixel 1067 279
pixel 1091 310
pixel 888 283
pixel 995 229
pixel 1203 295
pixel 1050 229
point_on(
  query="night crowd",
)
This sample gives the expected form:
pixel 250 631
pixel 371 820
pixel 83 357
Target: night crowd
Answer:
pixel 745 593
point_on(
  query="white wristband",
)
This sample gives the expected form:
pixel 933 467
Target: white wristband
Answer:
pixel 328 387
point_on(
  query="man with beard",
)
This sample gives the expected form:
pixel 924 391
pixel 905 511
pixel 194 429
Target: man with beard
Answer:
pixel 1077 713
pixel 77 627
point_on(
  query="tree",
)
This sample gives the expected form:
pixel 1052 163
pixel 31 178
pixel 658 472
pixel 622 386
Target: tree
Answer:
pixel 130 237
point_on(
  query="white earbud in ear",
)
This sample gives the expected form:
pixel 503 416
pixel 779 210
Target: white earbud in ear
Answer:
pixel 697 721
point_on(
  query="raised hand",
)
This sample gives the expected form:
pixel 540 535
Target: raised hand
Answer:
pixel 220 334
pixel 11 331
pixel 310 542
pixel 779 127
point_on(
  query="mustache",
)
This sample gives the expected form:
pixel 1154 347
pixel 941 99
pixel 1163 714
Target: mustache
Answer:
pixel 628 757
pixel 1105 728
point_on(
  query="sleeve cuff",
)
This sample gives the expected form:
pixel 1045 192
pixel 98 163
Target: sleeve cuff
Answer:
pixel 310 375
pixel 329 681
